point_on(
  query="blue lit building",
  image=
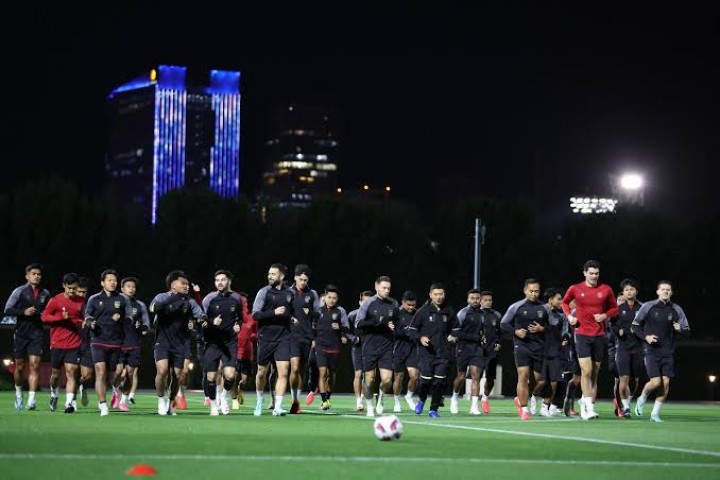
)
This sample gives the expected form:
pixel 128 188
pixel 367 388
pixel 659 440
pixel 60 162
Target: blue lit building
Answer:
pixel 166 134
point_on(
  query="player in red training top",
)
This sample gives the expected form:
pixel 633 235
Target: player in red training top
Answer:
pixel 595 303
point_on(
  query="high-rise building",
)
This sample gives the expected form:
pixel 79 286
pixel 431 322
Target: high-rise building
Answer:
pixel 166 134
pixel 301 157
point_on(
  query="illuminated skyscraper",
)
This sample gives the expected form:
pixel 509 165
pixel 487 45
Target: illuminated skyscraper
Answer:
pixel 166 135
pixel 301 158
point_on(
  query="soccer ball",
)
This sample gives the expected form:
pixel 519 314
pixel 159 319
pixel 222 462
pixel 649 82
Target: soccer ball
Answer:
pixel 388 428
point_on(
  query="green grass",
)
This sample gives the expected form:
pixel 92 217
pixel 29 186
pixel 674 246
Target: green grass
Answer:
pixel 341 445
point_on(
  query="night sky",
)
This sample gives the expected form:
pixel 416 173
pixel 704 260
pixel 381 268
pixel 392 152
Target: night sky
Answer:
pixel 536 103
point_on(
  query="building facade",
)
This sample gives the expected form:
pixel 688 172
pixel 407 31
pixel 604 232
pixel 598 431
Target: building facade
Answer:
pixel 166 134
pixel 301 157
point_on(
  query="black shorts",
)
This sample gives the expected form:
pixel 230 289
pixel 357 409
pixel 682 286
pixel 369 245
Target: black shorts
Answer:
pixel 630 363
pixel 299 348
pixel 329 360
pixel 86 359
pixel 187 348
pixel 356 354
pixel 466 355
pixel 174 354
pixel 24 346
pixel 244 366
pixel 375 356
pixel 659 365
pixel 491 361
pixel 524 357
pixel 130 357
pixel 590 347
pixel 269 351
pixel 61 356
pixel 552 370
pixel 107 355
pixel 404 358
pixel 215 353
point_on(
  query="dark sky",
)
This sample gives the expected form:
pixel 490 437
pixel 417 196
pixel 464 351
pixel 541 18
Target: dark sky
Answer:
pixel 542 103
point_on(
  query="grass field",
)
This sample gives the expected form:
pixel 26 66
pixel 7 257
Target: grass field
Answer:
pixel 341 446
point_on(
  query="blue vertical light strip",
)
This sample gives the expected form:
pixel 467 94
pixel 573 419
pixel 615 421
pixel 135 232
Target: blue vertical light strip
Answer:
pixel 225 154
pixel 170 133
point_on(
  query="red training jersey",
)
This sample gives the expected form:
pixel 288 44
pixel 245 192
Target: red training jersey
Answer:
pixel 589 301
pixel 247 334
pixel 64 332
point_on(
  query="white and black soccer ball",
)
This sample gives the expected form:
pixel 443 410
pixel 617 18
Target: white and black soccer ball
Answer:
pixel 388 427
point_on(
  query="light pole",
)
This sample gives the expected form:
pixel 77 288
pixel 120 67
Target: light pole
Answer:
pixel 479 241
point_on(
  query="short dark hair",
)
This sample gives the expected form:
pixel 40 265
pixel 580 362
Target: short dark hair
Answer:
pixel 383 278
pixel 551 292
pixel 129 279
pixel 83 281
pixel 665 282
pixel 33 266
pixel 409 296
pixel 106 272
pixel 474 290
pixel 282 268
pixel 531 280
pixel 227 273
pixel 70 278
pixel 301 269
pixel 486 293
pixel 591 264
pixel 366 293
pixel 174 275
pixel 330 288
pixel 437 286
pixel 629 281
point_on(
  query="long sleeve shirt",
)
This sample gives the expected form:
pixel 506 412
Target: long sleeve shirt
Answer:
pixel 65 317
pixel 372 320
pixel 469 326
pixel 588 302
pixel 272 327
pixel 520 315
pixel 226 305
pixel 306 305
pixel 173 313
pixel 657 318
pixel 556 328
pixel 137 326
pixel 327 338
pixel 21 299
pixel 435 323
pixel 101 308
pixel 621 325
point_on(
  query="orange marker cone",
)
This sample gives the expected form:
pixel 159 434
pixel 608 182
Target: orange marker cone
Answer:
pixel 142 469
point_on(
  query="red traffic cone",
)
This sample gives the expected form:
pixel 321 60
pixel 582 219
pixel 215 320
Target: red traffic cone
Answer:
pixel 142 469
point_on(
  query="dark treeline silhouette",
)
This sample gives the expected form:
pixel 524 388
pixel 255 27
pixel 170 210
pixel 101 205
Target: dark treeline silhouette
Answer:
pixel 349 242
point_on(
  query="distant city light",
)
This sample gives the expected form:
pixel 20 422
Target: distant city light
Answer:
pixel 387 189
pixel 586 205
pixel 632 181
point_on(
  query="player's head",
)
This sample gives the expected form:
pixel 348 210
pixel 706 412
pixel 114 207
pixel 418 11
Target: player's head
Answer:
pixel 591 271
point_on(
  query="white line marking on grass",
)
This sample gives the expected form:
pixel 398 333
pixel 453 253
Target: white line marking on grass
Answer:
pixel 563 437
pixel 325 458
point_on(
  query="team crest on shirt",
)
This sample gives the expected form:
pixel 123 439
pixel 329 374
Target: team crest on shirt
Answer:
pixel 524 313
pixel 390 313
pixel 288 298
pixel 494 323
pixel 185 308
pixel 306 310
pixel 670 317
pixel 116 304
pixel 134 311
pixel 334 316
pixel 599 295
pixel 445 317
pixel 233 308
pixel 307 298
pixel 541 314
pixel 217 307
